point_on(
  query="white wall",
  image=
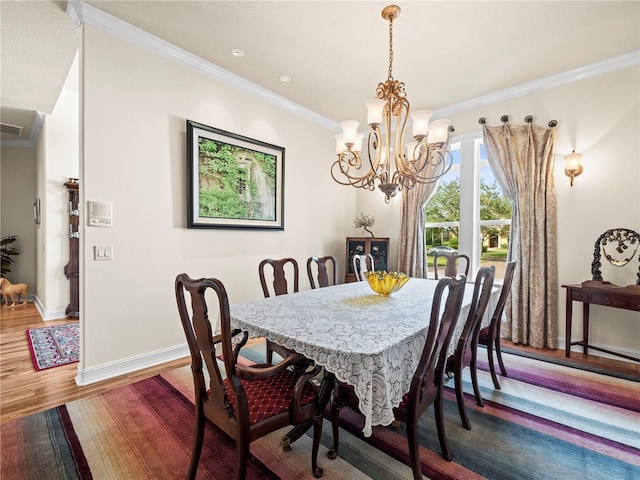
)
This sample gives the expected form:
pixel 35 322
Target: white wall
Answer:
pixel 58 149
pixel 600 118
pixel 18 187
pixel 135 105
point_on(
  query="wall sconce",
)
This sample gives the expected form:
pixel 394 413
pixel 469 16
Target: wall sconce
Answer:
pixel 573 167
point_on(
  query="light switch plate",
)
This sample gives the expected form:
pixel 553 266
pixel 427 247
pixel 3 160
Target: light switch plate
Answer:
pixel 102 252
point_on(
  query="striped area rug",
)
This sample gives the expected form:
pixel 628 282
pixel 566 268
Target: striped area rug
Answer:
pixel 588 428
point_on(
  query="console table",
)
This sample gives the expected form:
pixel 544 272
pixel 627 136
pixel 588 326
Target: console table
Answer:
pixel 598 293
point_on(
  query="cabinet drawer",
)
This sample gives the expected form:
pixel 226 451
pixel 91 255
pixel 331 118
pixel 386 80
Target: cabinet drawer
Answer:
pixel 580 296
pixel 619 302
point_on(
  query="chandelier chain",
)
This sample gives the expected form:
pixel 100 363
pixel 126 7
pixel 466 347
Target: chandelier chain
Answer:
pixel 391 48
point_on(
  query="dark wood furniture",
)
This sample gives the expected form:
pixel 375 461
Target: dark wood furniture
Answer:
pixel 72 269
pixel 251 401
pixel 490 335
pixel 279 287
pixel 426 383
pixel 452 266
pixel 326 269
pixel 466 352
pixel 594 292
pixel 377 247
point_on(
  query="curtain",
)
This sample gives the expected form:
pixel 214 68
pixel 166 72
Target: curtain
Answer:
pixel 522 161
pixel 412 258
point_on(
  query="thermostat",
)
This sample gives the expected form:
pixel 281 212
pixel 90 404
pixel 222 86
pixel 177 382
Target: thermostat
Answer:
pixel 100 214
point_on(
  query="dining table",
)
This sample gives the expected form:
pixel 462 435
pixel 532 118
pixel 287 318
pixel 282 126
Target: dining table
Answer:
pixel 369 341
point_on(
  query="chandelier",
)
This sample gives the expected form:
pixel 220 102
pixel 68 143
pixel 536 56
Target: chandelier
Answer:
pixel 392 164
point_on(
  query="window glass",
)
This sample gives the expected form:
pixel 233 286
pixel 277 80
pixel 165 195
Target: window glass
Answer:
pixel 491 222
pixel 495 218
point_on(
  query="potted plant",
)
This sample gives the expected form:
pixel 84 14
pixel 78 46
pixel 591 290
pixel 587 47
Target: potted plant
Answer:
pixel 6 252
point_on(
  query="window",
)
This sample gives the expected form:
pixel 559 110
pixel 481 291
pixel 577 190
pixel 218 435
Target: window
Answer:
pixel 469 211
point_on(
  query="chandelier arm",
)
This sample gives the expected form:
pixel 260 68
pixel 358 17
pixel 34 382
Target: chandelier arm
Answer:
pixel 341 171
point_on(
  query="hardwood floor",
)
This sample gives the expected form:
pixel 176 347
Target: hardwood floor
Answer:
pixel 25 391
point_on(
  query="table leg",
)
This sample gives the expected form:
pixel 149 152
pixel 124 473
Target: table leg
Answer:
pixel 324 395
pixel 585 328
pixel 568 321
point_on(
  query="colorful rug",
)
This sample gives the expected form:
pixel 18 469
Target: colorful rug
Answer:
pixel 525 431
pixel 54 346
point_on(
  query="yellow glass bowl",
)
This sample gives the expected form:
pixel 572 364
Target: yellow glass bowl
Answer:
pixel 385 283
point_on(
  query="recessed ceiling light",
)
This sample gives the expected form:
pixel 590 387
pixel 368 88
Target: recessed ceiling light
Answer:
pixel 285 78
pixel 236 52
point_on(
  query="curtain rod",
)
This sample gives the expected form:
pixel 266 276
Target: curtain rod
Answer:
pixel 527 119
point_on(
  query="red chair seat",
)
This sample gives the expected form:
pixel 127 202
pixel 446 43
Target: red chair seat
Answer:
pixel 484 336
pixel 271 396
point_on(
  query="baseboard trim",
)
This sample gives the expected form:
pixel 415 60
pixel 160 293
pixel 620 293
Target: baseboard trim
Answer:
pixel 91 375
pixel 46 316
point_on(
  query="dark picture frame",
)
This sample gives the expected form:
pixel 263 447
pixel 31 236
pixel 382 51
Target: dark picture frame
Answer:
pixel 233 181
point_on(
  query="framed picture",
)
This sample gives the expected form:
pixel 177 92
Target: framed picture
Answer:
pixel 234 181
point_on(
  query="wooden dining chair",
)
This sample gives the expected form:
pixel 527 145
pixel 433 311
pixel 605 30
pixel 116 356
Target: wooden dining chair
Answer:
pixel 360 266
pixel 466 351
pixel 280 286
pixel 246 402
pixel 490 335
pixel 426 382
pixel 452 267
pixel 324 266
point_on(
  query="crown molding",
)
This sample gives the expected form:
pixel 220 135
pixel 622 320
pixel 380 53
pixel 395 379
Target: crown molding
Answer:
pixel 598 68
pixel 80 12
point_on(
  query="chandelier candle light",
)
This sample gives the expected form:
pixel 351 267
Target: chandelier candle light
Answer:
pixel 392 164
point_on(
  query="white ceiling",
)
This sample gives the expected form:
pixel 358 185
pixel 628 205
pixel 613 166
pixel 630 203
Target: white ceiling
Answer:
pixel 336 52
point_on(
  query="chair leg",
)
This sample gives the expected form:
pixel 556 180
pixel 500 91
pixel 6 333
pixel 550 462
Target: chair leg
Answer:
pixel 242 457
pixel 474 380
pixel 336 405
pixel 414 452
pixel 442 435
pixel 499 355
pixel 460 398
pixel 197 445
pixel 492 367
pixel 317 434
pixel 269 353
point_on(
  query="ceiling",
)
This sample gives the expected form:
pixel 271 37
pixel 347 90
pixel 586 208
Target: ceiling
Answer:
pixel 446 52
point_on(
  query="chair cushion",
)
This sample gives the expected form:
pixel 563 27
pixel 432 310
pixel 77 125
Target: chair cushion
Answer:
pixel 483 338
pixel 448 368
pixel 271 396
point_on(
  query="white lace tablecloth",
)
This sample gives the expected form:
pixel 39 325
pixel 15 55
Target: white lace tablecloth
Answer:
pixel 367 340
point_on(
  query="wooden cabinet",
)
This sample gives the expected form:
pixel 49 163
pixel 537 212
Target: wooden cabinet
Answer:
pixel 377 247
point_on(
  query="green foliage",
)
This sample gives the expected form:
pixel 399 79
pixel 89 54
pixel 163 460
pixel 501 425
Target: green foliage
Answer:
pixel 453 243
pixel 445 207
pixel 225 194
pixel 493 205
pixel 6 252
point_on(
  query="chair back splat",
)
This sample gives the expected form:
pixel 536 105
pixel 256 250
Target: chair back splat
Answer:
pixel 326 271
pixel 247 402
pixel 490 336
pixel 426 382
pixel 360 266
pixel 280 268
pixel 280 287
pixel 452 266
pixel 467 348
